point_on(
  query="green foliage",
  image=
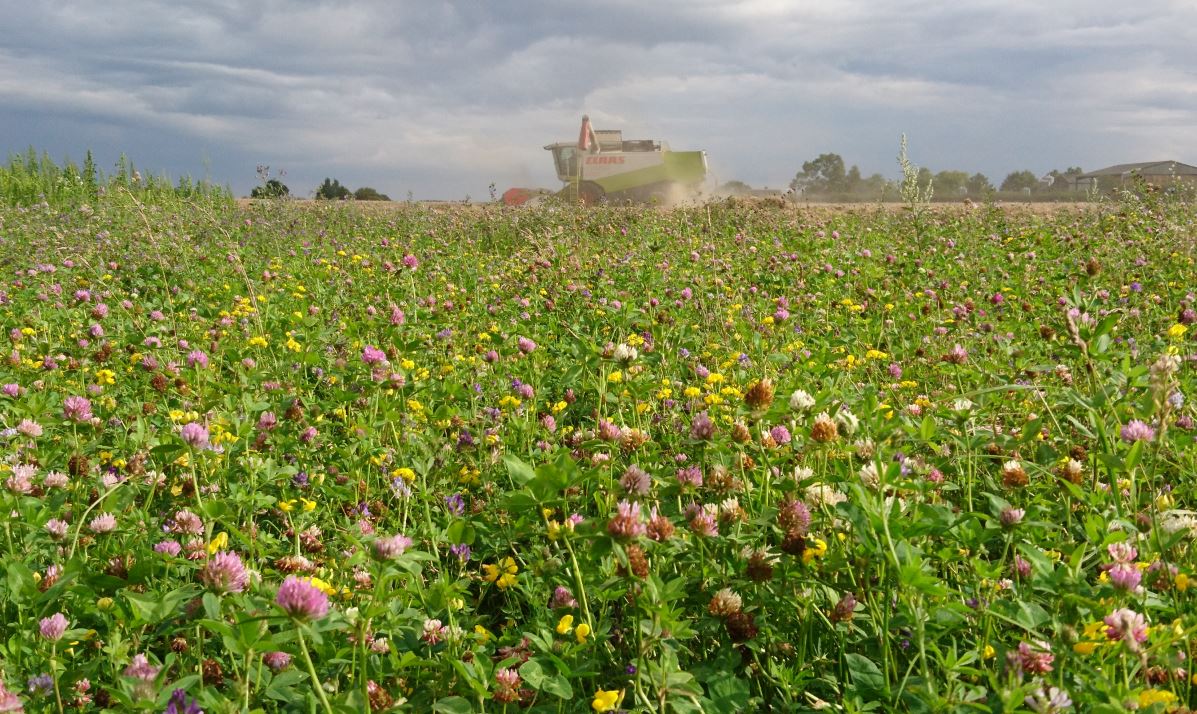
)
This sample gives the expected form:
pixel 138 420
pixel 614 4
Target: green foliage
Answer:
pixel 935 437
pixel 273 188
pixel 1020 181
pixel 332 190
pixel 31 178
pixel 366 193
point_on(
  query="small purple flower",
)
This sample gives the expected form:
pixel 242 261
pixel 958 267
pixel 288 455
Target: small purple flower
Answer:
pixel 277 661
pixel 461 550
pixel 141 669
pixel 180 703
pixel 53 627
pixel 1135 430
pixel 195 435
pixel 1125 577
pixel 302 600
pixel 562 599
pixel 77 409
pixel 780 435
pixel 411 262
pixel 392 547
pixel 197 358
pixel 39 685
pixel 225 573
pixel 455 504
pixel 525 345
pixel 371 355
pixel 701 427
pixel 1011 517
pixel 168 547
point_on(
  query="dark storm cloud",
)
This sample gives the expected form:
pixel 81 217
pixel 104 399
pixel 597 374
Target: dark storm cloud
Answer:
pixel 442 98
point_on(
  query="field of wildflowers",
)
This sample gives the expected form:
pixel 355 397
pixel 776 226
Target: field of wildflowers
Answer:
pixel 719 459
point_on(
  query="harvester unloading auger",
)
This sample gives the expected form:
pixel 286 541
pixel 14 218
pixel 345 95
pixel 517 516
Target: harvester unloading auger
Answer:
pixel 602 165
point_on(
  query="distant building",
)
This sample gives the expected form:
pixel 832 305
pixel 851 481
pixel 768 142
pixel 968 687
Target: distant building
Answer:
pixel 1157 173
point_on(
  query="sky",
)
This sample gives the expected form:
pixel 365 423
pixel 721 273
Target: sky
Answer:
pixel 442 99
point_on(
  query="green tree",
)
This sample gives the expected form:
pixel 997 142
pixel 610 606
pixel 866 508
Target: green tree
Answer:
pixel 1019 180
pixel 273 188
pixel 979 185
pixel 365 193
pixel 332 190
pixel 950 183
pixel 852 180
pixel 824 174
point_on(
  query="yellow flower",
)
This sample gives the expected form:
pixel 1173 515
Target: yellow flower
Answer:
pixel 615 377
pixel 502 574
pixel 565 624
pixel 605 701
pixel 308 506
pixel 1147 697
pixel 818 551
pixel 321 585
pixel 482 633
pixel 220 542
pixel 404 473
pixel 1084 648
pixel 286 506
pixel 1177 331
pixel 258 341
pixel 1181 581
pixel 582 632
pixel 988 652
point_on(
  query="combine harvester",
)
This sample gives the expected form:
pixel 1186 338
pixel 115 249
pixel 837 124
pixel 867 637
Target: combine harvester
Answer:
pixel 602 166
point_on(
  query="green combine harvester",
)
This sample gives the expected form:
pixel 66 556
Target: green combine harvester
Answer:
pixel 603 166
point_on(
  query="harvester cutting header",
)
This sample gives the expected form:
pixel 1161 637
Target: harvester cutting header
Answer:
pixel 602 165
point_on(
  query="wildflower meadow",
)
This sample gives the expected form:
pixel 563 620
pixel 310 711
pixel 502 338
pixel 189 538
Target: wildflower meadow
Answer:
pixel 285 457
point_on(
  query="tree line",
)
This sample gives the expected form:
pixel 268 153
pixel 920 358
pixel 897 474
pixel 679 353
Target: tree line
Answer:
pixel 330 190
pixel 828 176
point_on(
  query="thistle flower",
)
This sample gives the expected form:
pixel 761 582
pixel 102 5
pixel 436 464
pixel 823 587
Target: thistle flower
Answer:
pixel 52 628
pixel 225 573
pixel 302 600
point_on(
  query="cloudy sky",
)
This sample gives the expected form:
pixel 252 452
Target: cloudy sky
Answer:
pixel 440 99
